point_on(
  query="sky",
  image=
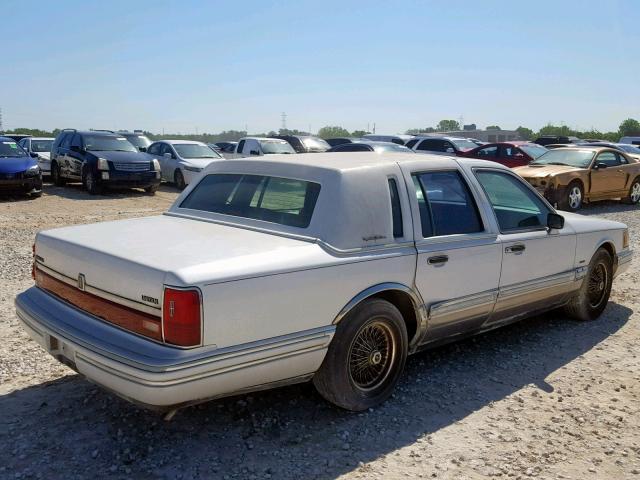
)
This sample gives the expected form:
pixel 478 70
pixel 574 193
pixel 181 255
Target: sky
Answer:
pixel 188 66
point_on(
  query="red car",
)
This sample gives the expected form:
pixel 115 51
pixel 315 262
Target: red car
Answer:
pixel 510 154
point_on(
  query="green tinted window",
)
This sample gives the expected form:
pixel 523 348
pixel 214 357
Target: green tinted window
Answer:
pixel 515 205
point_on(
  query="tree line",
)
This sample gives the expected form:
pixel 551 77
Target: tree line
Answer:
pixel 629 127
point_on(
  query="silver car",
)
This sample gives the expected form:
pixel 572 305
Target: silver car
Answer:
pixel 182 160
pixel 41 147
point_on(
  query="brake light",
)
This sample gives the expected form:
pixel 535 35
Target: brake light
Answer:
pixel 181 317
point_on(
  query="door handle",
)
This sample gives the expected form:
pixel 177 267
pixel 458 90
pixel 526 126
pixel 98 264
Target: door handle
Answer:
pixel 437 260
pixel 519 248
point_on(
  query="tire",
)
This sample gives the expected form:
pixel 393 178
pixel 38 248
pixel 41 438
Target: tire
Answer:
pixel 634 193
pixel 91 182
pixel 592 298
pixel 340 381
pixel 36 194
pixel 151 189
pixel 573 197
pixel 178 179
pixel 56 175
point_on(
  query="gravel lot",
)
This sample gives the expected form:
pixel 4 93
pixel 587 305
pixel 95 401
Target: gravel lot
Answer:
pixel 546 398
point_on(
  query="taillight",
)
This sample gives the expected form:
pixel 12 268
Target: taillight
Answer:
pixel 181 318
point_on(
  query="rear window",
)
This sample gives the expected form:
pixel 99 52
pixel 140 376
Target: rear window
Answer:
pixel 279 200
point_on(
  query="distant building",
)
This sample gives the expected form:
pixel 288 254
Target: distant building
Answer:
pixel 489 136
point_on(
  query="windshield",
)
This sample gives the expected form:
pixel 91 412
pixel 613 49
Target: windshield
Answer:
pixel 572 157
pixel 41 146
pixel 195 150
pixel 138 140
pixel 316 144
pixel 98 143
pixel 533 150
pixel 630 149
pixel 463 144
pixel 276 146
pixel 9 148
pixel 392 147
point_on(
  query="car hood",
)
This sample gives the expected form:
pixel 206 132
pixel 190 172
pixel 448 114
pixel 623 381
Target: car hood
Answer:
pixel 544 170
pixel 123 157
pixel 589 224
pixel 199 162
pixel 16 164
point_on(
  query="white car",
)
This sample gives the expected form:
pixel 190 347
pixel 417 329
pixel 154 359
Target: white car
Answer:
pixel 182 160
pixel 258 146
pixel 41 146
pixel 278 270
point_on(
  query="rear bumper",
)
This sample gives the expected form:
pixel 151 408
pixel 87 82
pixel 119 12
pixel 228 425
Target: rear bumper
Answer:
pixel 159 376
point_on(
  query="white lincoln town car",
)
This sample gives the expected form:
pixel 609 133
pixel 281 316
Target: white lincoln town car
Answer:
pixel 322 267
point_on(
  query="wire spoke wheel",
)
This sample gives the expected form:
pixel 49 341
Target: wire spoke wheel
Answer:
pixel 371 355
pixel 597 286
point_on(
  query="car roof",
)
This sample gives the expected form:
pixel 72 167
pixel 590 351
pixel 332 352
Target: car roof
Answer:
pixel 262 138
pixel 440 137
pixel 180 142
pixel 7 139
pixel 355 160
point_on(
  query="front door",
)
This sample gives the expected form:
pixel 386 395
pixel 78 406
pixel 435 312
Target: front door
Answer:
pixel 538 265
pixel 458 262
pixel 611 178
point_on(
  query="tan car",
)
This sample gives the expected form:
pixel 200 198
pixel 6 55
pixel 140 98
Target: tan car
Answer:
pixel 568 177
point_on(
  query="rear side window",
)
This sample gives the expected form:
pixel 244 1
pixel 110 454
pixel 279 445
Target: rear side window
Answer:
pixel 446 205
pixel 279 200
pixel 396 210
pixel 432 145
pixel 411 143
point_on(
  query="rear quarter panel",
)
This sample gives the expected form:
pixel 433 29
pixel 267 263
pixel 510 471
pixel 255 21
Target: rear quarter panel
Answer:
pixel 252 309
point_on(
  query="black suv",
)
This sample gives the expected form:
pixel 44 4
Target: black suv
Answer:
pixel 137 138
pixel 102 159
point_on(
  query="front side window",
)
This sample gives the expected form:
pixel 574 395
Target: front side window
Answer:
pixel 488 152
pixel 154 149
pixel 241 146
pixel 411 143
pixel 515 205
pixel 431 145
pixel 279 200
pixel 610 159
pixel 446 205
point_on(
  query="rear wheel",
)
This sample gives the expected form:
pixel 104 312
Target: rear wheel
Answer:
pixel 573 197
pixel 592 298
pixel 178 179
pixel 634 193
pixel 90 181
pixel 56 175
pixel 366 357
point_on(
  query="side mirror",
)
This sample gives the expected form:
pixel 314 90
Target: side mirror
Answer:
pixel 33 155
pixel 519 156
pixel 142 149
pixel 254 152
pixel 75 148
pixel 555 221
pixel 600 165
pixel 167 155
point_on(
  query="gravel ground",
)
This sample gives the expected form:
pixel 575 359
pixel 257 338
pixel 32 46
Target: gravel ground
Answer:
pixel 545 398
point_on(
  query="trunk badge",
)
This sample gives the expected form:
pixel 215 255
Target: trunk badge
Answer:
pixel 81 282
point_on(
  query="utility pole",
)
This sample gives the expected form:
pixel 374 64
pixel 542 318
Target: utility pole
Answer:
pixel 461 121
pixel 374 127
pixel 284 121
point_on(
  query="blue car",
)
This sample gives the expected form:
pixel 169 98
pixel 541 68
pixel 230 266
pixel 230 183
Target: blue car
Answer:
pixel 19 171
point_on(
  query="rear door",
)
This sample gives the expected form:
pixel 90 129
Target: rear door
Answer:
pixel 63 154
pixel 75 156
pixel 537 264
pixel 459 254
